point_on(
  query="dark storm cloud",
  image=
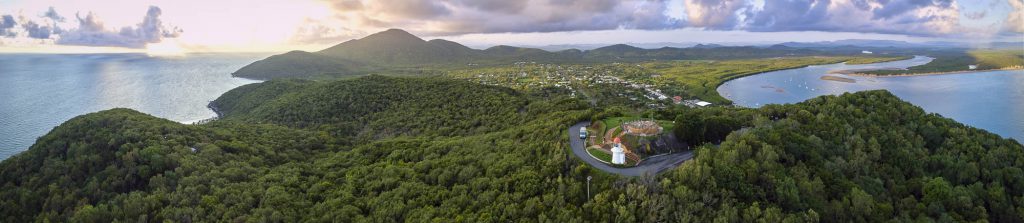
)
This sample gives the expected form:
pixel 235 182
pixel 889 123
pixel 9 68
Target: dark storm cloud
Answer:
pixel 91 32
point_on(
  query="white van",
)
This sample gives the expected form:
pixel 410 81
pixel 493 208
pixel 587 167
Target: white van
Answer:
pixel 583 132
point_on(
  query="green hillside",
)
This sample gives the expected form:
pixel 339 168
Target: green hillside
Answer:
pixel 380 107
pixel 297 63
pixel 388 149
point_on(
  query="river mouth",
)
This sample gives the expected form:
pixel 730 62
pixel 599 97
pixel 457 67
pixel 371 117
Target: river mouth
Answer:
pixel 989 100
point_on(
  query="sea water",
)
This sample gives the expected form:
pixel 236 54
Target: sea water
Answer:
pixel 40 91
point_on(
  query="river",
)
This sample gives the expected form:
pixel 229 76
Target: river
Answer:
pixel 990 100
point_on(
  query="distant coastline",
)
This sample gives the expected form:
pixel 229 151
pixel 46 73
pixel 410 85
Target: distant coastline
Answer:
pixel 859 72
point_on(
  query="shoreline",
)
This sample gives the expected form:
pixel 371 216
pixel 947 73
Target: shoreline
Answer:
pixel 218 116
pixel 858 74
pixel 741 75
pixel 213 107
pixel 738 76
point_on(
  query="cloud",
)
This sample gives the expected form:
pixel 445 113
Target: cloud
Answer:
pixel 445 17
pixel 976 15
pixel 913 17
pixel 22 27
pixel 37 31
pixel 1015 19
pixel 92 32
pixel 87 30
pixel 6 23
pixel 713 14
pixel 53 15
pixel 890 9
pixel 322 32
pixel 451 17
pixel 507 7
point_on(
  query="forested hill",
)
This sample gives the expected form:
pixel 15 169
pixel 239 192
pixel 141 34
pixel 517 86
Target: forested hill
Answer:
pixel 376 106
pixel 288 151
pixel 395 49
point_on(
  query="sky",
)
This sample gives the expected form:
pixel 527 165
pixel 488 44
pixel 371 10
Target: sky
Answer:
pixel 173 26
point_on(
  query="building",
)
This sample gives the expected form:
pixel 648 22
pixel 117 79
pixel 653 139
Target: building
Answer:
pixel 618 153
pixel 972 67
pixel 695 103
pixel 866 52
pixel 677 99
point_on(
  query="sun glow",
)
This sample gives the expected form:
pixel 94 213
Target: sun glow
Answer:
pixel 166 48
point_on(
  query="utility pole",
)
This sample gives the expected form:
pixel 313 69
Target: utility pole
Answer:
pixel 588 187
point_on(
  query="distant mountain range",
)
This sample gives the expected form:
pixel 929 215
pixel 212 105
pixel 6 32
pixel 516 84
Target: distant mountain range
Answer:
pixel 396 50
pixel 902 44
pixel 560 47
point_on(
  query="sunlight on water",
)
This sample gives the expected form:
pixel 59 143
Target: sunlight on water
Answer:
pixel 41 91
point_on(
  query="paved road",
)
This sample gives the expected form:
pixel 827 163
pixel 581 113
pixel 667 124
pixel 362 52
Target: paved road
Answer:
pixel 652 165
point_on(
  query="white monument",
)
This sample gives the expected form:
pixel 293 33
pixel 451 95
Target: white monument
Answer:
pixel 618 154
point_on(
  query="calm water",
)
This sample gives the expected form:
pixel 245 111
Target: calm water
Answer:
pixel 992 100
pixel 41 91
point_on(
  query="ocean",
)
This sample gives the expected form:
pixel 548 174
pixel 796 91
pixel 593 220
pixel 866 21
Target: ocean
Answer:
pixel 40 91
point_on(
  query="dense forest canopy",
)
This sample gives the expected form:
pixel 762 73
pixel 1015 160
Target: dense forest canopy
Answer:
pixel 389 149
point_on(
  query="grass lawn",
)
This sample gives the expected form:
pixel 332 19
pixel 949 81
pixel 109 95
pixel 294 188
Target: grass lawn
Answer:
pixel 596 130
pixel 600 154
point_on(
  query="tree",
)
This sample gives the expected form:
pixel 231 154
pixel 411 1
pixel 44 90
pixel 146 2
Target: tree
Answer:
pixel 689 127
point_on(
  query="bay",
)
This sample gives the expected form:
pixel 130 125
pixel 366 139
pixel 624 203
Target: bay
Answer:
pixel 990 100
pixel 40 91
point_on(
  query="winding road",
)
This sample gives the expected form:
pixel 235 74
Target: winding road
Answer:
pixel 652 165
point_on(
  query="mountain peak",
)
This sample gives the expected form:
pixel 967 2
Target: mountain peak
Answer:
pixel 392 35
pixel 619 48
pixel 395 31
